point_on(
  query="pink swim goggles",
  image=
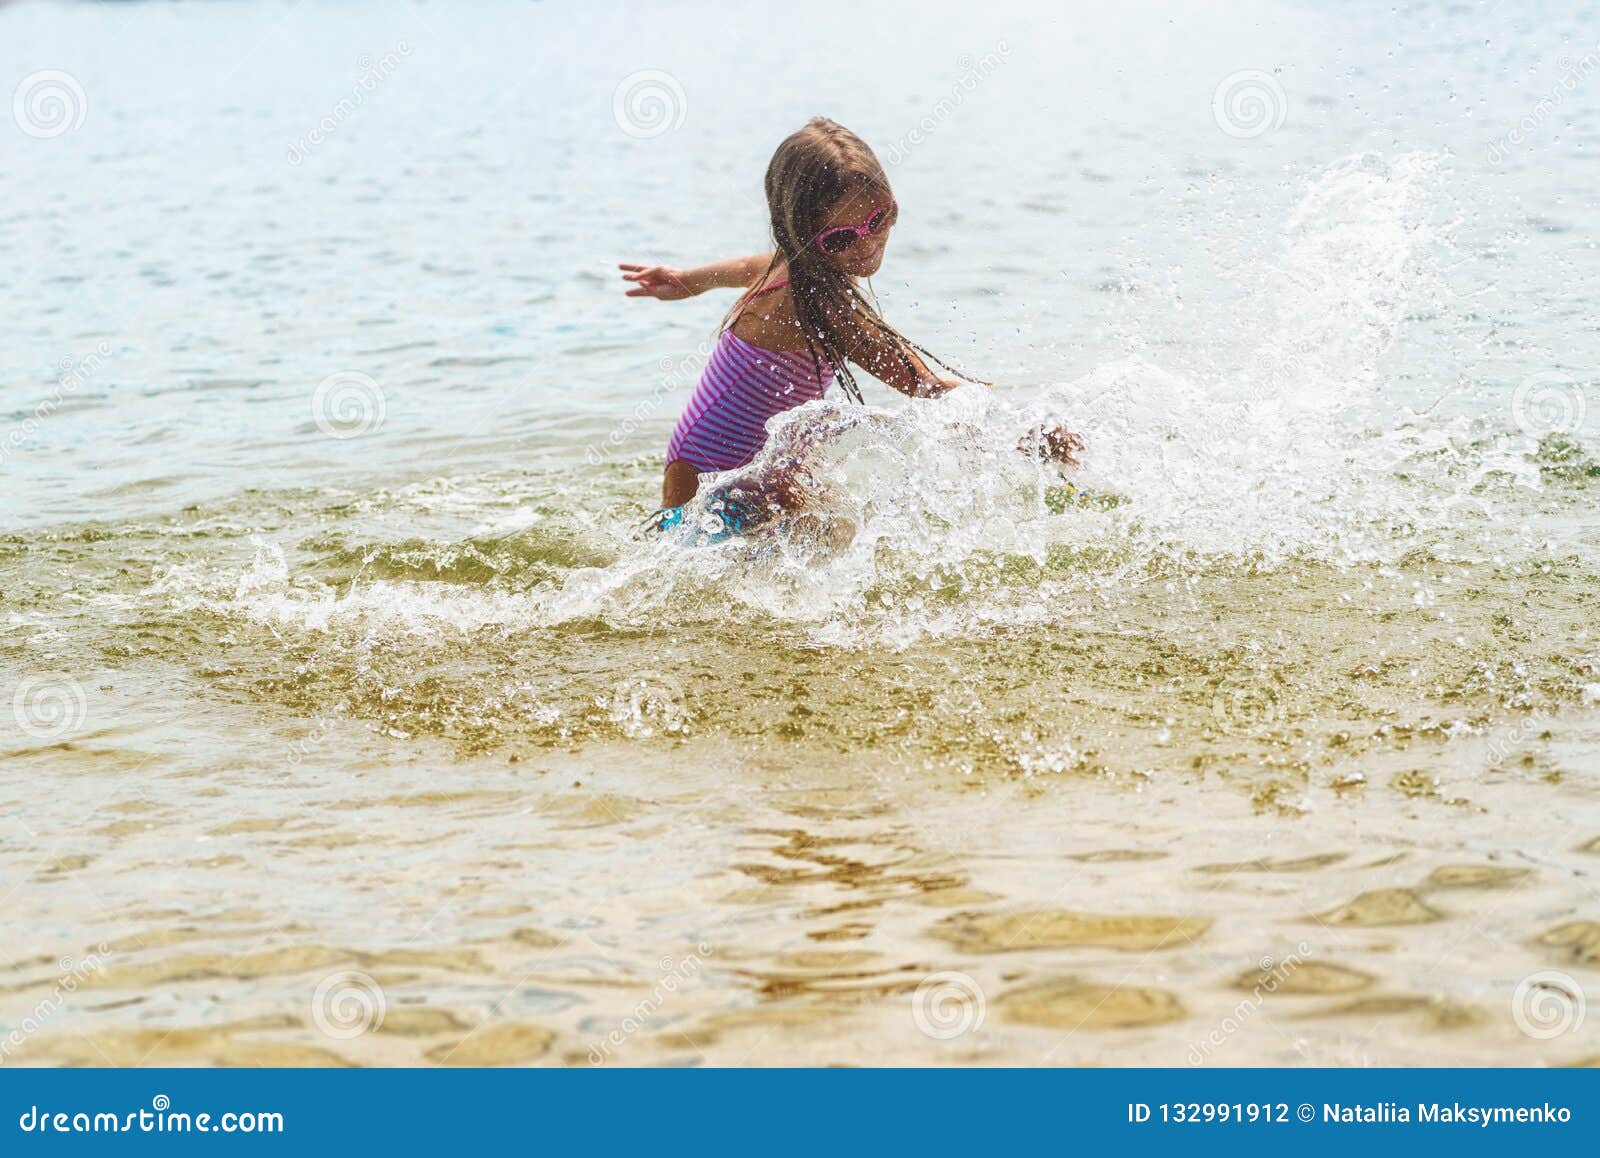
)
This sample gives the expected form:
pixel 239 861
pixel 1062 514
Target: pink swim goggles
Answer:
pixel 841 237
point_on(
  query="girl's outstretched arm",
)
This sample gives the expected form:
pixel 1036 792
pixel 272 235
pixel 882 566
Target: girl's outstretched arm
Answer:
pixel 668 284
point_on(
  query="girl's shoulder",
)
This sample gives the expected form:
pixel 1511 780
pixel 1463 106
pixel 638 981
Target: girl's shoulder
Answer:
pixel 766 318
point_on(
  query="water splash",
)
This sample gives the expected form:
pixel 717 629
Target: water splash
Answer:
pixel 1278 441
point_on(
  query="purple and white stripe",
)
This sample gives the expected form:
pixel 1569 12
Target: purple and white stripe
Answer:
pixel 725 423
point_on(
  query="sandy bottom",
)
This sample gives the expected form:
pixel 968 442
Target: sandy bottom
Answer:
pixel 697 905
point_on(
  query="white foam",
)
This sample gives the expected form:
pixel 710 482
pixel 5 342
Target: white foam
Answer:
pixel 1284 447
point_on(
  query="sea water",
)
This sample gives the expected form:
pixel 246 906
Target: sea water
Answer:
pixel 355 720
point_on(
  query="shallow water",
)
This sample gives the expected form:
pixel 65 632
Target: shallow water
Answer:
pixel 355 723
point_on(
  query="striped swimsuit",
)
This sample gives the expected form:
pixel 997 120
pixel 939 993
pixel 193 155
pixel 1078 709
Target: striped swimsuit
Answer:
pixel 725 424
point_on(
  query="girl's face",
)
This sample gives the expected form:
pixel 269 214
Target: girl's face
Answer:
pixel 865 254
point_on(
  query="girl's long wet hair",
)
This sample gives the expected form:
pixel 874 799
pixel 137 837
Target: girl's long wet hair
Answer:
pixel 811 172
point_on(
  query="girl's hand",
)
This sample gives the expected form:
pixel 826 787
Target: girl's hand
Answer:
pixel 655 281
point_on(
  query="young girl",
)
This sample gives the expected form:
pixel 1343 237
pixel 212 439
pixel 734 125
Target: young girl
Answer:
pixel 801 322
